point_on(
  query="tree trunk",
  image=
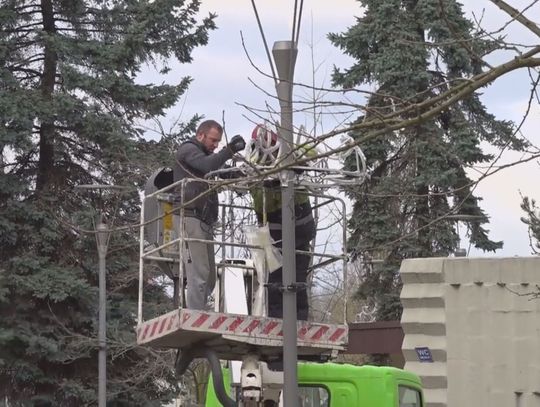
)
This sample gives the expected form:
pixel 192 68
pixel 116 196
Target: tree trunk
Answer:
pixel 48 77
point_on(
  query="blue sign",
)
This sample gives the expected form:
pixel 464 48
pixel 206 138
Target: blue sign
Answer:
pixel 424 355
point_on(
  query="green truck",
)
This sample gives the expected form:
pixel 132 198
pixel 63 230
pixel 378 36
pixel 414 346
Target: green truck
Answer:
pixel 345 385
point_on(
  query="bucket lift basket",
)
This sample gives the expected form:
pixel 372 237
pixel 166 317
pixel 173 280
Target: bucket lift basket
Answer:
pixel 231 336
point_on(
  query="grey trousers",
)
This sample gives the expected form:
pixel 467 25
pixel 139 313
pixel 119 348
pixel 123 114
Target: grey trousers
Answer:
pixel 199 262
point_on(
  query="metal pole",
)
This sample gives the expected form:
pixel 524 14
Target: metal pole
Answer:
pixel 102 240
pixel 285 57
pixel 141 266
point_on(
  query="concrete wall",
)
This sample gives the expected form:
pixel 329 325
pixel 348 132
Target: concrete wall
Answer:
pixel 481 326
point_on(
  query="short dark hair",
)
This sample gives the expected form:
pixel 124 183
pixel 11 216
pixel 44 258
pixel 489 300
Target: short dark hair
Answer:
pixel 205 127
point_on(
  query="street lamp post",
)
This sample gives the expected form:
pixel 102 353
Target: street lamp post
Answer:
pixel 284 53
pixel 102 239
pixel 102 242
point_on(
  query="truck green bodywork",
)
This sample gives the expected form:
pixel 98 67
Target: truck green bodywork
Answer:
pixel 345 385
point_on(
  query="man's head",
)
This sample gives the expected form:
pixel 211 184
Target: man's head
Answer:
pixel 209 134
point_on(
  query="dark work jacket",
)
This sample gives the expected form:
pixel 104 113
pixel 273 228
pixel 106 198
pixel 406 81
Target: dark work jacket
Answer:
pixel 193 160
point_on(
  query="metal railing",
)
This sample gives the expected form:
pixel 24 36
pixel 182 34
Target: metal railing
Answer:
pixel 161 252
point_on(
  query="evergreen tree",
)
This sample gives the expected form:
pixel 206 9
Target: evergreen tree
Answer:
pixel 409 51
pixel 532 220
pixel 69 105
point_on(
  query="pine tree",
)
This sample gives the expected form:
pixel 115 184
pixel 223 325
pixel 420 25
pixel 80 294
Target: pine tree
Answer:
pixel 409 51
pixel 532 220
pixel 70 102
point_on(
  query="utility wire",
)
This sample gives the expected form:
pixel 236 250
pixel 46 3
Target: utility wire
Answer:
pixel 299 22
pixel 293 34
pixel 264 41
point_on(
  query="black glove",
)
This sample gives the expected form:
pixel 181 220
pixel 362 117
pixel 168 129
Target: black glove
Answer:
pixel 237 143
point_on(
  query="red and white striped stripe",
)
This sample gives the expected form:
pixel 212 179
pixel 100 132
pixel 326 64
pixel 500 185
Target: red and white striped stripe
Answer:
pixel 239 325
pixel 158 327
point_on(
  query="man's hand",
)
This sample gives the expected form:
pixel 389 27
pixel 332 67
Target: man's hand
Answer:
pixel 237 143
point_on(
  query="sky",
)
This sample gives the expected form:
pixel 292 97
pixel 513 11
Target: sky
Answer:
pixel 223 78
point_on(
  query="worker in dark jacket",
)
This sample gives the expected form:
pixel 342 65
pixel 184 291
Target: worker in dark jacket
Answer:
pixel 194 159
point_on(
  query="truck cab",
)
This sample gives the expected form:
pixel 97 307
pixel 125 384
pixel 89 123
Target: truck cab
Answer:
pixel 345 385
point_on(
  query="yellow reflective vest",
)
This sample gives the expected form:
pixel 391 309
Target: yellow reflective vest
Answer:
pixel 272 189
